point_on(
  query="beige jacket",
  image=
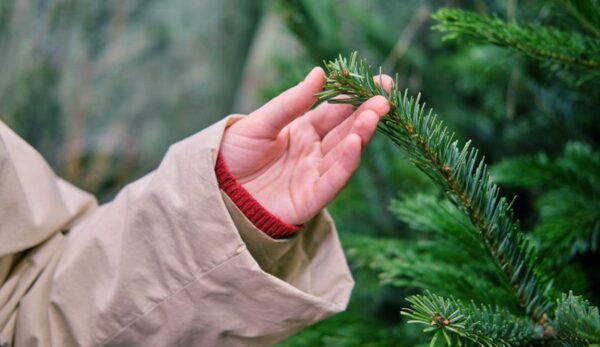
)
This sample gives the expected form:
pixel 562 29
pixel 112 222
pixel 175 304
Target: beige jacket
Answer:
pixel 170 261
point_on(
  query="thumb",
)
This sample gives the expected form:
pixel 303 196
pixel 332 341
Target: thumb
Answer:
pixel 290 104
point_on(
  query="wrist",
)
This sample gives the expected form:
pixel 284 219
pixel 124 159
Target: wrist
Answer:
pixel 262 218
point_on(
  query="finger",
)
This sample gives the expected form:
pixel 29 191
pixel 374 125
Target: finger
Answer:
pixel 334 179
pixel 386 80
pixel 327 116
pixel 364 126
pixel 290 104
pixel 377 104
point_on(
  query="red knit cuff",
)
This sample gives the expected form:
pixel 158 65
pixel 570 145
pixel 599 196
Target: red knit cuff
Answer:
pixel 254 211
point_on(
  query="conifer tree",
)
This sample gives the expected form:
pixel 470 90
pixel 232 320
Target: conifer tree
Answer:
pixel 525 88
pixel 535 312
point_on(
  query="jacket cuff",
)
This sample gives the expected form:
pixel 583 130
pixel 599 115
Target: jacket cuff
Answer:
pixel 252 209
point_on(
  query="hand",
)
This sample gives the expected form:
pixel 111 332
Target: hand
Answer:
pixel 295 162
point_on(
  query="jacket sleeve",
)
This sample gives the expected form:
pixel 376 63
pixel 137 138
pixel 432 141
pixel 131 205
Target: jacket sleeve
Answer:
pixel 35 206
pixel 34 203
pixel 172 262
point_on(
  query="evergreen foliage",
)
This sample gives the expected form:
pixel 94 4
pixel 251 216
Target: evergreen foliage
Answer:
pixel 451 261
pixel 512 108
pixel 470 324
pixel 569 199
pixel 464 179
pixel 549 43
pixel 576 321
pixel 586 12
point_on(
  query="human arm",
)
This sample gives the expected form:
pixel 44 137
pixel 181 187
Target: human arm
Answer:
pixel 172 261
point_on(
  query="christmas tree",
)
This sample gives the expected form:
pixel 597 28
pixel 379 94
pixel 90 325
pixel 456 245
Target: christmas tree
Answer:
pixel 518 303
pixel 513 300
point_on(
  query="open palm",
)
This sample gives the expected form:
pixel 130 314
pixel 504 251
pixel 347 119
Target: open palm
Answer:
pixel 294 161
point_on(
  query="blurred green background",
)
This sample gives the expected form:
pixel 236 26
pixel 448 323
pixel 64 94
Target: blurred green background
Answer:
pixel 102 88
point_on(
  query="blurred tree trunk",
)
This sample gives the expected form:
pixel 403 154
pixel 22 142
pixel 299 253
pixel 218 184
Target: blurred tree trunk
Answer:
pixel 102 88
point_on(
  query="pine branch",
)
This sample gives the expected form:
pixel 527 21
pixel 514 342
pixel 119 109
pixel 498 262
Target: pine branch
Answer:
pixel 459 172
pixel 534 40
pixel 470 324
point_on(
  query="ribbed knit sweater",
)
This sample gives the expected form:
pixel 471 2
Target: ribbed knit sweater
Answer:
pixel 264 220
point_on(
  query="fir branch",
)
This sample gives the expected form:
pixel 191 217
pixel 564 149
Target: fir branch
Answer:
pixel 424 266
pixel 578 168
pixel 534 40
pixel 470 324
pixel 459 172
pixel 587 13
pixel 430 214
pixel 576 321
pixel 437 265
pixel 452 261
pixel 570 203
pixel 569 225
